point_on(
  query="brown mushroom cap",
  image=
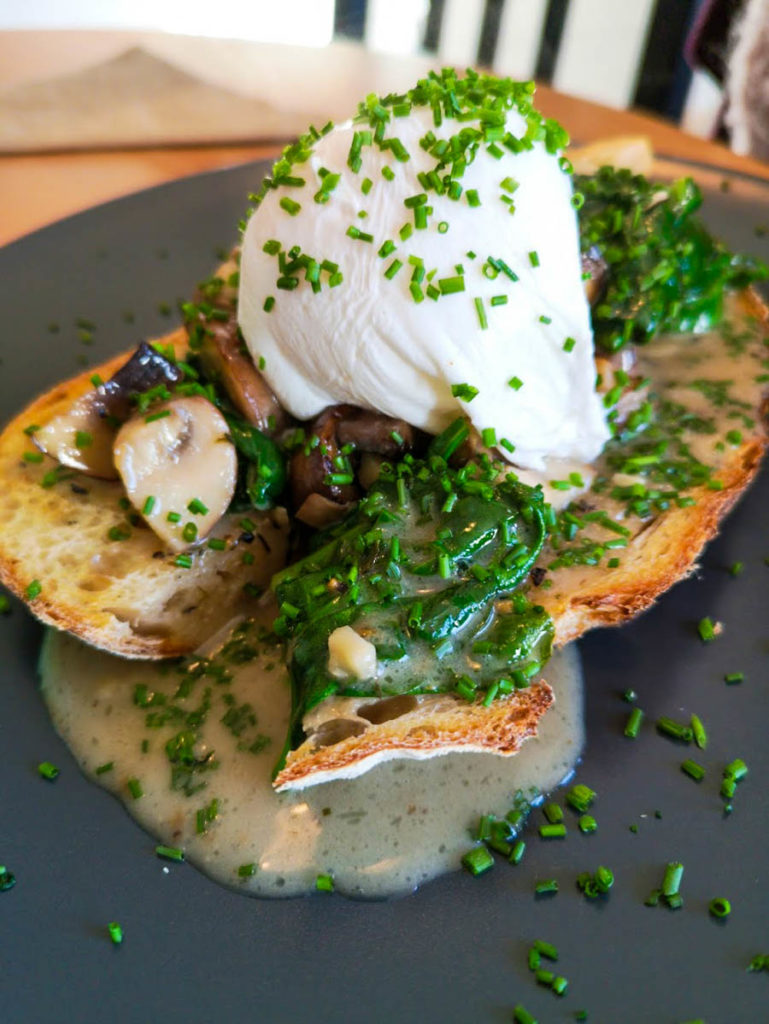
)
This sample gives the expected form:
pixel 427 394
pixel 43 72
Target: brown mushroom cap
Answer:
pixel 82 437
pixel 224 357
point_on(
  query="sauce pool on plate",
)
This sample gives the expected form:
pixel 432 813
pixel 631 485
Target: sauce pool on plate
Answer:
pixel 382 834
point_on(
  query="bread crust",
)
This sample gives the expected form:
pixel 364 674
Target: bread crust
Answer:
pixel 438 725
pixel 661 552
pixel 124 596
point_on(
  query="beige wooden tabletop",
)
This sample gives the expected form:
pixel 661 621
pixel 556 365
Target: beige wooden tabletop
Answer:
pixel 37 188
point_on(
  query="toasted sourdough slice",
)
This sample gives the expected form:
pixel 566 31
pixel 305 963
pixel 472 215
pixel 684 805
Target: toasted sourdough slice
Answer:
pixel 660 551
pixel 129 598
pixel 126 596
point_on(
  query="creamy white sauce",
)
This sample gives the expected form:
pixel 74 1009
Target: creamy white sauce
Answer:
pixel 382 834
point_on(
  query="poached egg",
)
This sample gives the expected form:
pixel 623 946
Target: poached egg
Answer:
pixel 385 275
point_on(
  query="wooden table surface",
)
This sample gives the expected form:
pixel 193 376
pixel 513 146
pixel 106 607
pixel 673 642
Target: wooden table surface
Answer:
pixel 38 188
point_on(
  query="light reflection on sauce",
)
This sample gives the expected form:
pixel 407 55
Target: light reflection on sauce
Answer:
pixel 382 834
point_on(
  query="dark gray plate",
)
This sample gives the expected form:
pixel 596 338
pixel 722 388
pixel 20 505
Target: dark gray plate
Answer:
pixel 455 951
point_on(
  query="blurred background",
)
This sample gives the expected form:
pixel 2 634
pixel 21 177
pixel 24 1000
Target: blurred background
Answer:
pixel 669 57
pixel 103 97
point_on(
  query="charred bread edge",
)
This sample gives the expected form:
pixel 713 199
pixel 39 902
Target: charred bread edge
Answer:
pixel 52 612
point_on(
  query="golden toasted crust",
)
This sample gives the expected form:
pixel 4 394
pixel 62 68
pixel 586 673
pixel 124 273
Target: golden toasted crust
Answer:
pixel 437 725
pixel 660 552
pixel 122 597
pixel 126 596
pixel 663 550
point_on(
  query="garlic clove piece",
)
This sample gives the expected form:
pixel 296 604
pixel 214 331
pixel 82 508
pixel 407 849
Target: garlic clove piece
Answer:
pixel 178 462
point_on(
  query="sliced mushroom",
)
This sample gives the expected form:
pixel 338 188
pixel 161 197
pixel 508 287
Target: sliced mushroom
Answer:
pixel 366 432
pixel 372 432
pixel 82 437
pixel 318 511
pixel 225 358
pixel 146 369
pixel 179 462
pixel 311 470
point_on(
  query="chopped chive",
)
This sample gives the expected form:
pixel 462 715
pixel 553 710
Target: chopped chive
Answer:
pixel 553 812
pixel 135 788
pixel 706 629
pixel 587 824
pixel 546 949
pixel 720 907
pixel 498 300
pixel 471 195
pixel 154 416
pixel 671 882
pixel 183 561
pixel 545 886
pixel 190 533
pixel 552 831
pixel 515 383
pixel 522 1016
pixel 216 544
pixel 103 768
pixel 246 870
pixel 699 733
pixel 478 860
pixel 736 769
pixel 451 285
pixel 170 853
pixel 48 771
pixel 484 323
pixel 489 437
pixel 633 724
pixel 33 590
pixel 669 727
pixel 465 392
pixel 534 258
pixel 197 507
pixel 559 985
pixel 734 677
pixel 386 248
pixel 290 206
pixel 693 770
pixel 148 505
pixel 443 227
pixel 517 852
pixel 174 517
pixel 7 879
pixel 115 933
pixel 568 345
pixel 393 269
